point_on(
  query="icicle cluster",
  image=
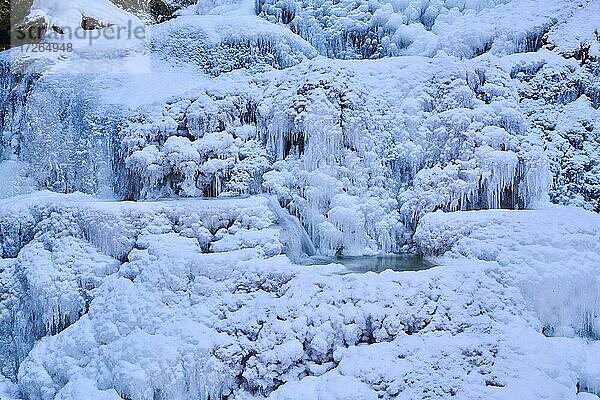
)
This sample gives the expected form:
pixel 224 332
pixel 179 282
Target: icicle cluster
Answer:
pixel 374 29
pixel 56 124
pixel 203 146
pixel 356 166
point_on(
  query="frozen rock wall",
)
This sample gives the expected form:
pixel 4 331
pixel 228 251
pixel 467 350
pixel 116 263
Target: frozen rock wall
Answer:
pixel 359 151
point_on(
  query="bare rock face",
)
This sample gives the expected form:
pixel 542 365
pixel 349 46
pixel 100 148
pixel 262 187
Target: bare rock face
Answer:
pixel 154 11
pixel 4 14
pixel 4 24
pixel 11 11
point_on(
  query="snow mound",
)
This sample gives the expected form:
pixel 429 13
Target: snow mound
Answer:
pixel 219 44
pixel 552 254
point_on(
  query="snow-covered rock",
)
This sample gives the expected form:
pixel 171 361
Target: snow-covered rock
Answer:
pixel 175 322
pixel 463 108
pixel 219 44
pixel 552 254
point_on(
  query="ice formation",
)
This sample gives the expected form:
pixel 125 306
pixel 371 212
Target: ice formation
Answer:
pixel 221 44
pixel 232 138
pixel 448 134
pixel 295 230
pixel 375 29
pixel 235 139
pixel 189 315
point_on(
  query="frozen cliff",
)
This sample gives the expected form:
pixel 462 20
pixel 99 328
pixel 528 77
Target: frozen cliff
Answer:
pixel 161 176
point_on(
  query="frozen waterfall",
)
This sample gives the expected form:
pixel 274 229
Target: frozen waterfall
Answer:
pixel 294 228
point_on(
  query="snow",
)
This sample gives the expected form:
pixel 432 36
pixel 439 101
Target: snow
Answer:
pixel 220 44
pixel 8 390
pixel 61 14
pixel 560 99
pixel 15 179
pixel 578 33
pixel 168 319
pixel 449 133
pixel 229 122
pixel 560 261
pixel 84 31
pixel 330 387
pixel 375 29
pixel 185 176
